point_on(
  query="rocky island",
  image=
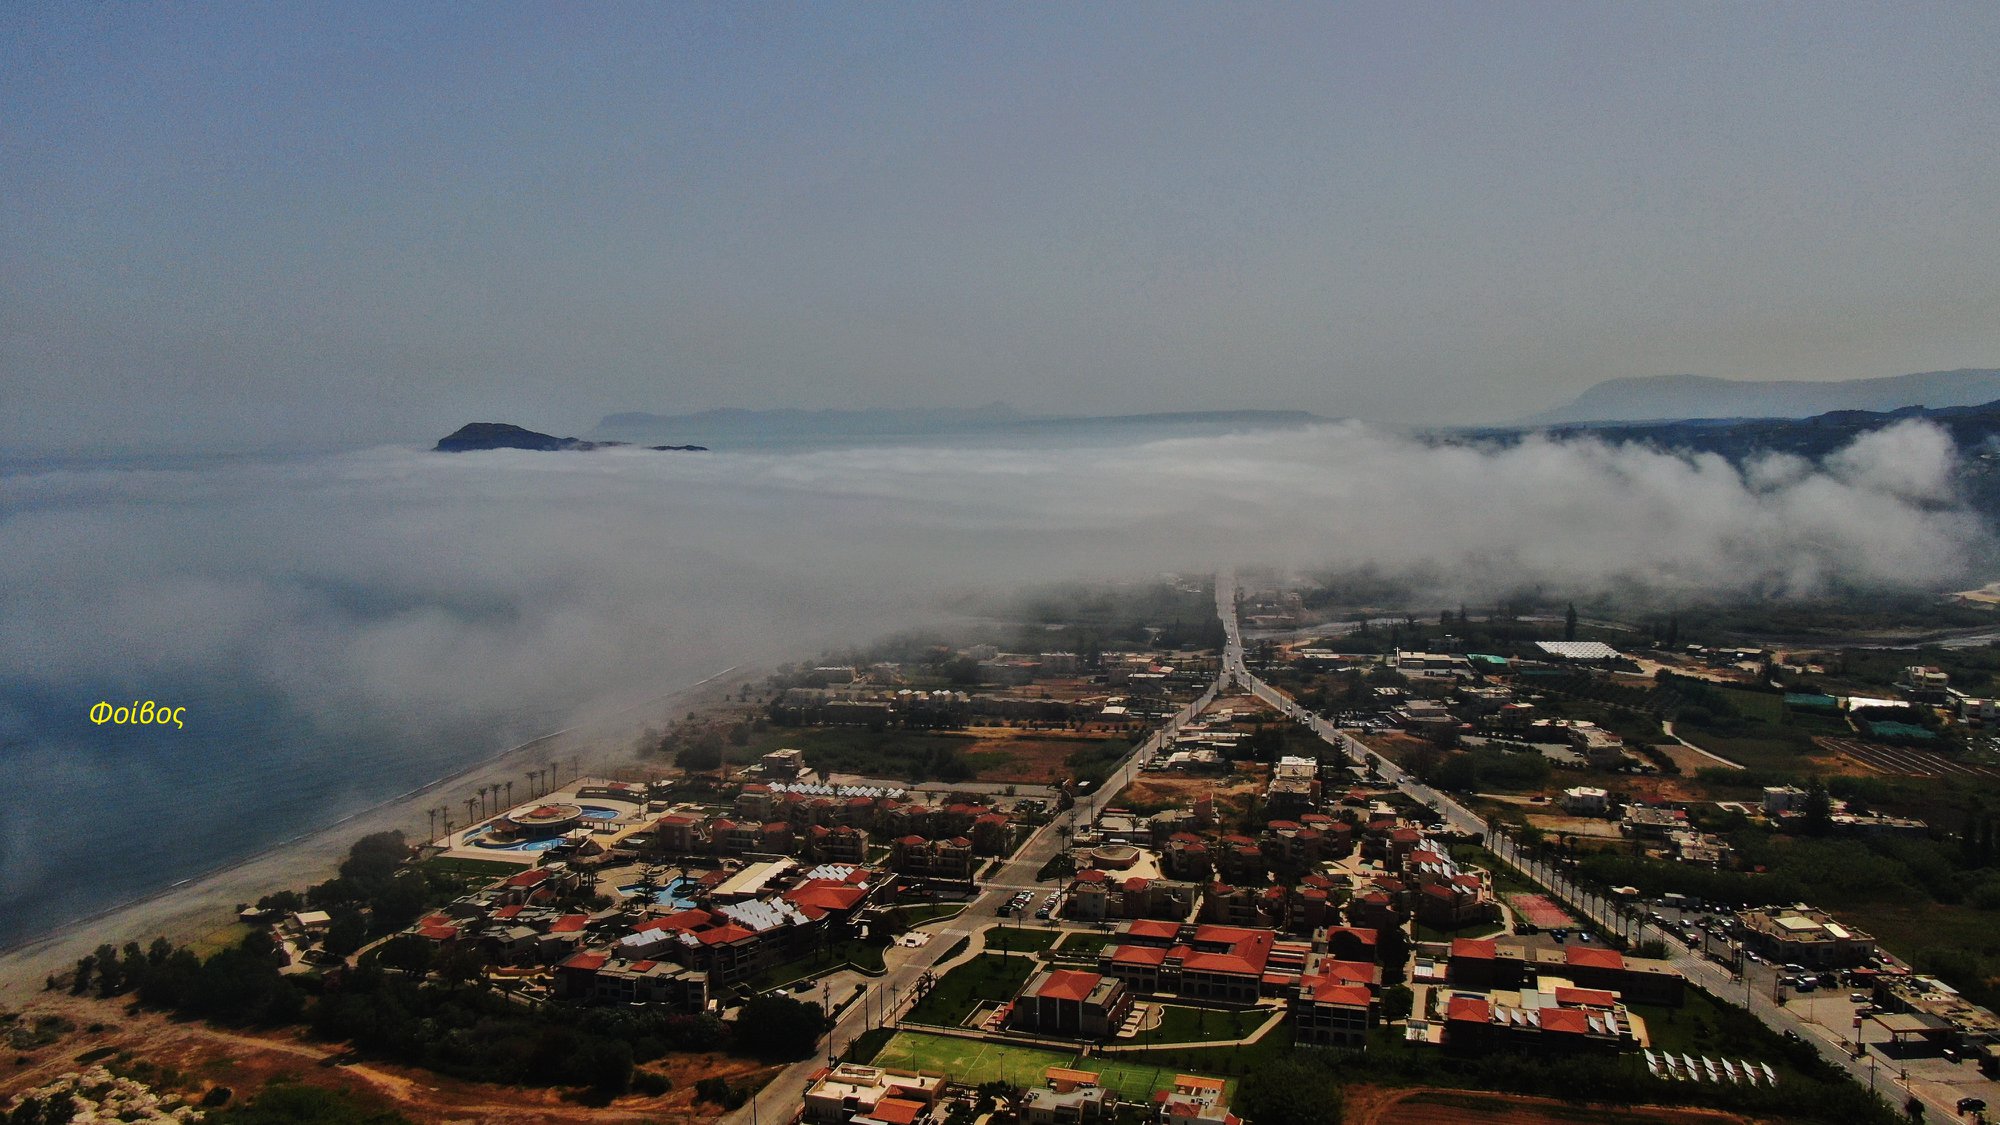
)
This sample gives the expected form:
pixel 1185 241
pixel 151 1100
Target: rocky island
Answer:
pixel 475 436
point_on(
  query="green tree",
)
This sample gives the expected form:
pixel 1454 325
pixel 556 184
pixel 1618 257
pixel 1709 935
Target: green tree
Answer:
pixel 1819 808
pixel 1296 1090
pixel 346 933
pixel 779 1027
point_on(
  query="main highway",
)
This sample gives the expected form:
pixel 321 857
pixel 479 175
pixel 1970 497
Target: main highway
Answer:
pixel 1611 915
pixel 782 1098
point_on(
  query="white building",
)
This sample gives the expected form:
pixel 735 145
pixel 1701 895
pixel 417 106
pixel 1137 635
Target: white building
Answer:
pixel 1584 800
pixel 851 1092
pixel 1783 798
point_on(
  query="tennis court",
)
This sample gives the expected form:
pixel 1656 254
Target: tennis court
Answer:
pixel 974 1061
pixel 1540 910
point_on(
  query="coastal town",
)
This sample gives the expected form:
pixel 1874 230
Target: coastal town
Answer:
pixel 1157 878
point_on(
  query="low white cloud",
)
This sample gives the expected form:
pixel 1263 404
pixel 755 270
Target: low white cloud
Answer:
pixel 456 585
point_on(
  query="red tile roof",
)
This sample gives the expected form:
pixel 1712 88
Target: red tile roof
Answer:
pixel 1469 1009
pixel 1568 1021
pixel 897 1111
pixel 569 924
pixel 1344 995
pixel 1068 984
pixel 1154 928
pixel 1138 954
pixel 590 962
pixel 1594 957
pixel 1585 997
pixel 1479 949
pixel 826 894
pixel 528 878
pixel 1350 972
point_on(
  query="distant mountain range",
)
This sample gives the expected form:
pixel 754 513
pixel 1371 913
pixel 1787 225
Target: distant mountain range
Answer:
pixel 1656 398
pixel 778 427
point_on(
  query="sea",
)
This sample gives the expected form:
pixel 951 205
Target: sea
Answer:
pixel 341 627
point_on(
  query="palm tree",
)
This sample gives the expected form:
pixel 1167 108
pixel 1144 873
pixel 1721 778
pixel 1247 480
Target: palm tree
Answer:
pixel 510 794
pixel 469 802
pixel 482 800
pixel 530 778
pixel 434 822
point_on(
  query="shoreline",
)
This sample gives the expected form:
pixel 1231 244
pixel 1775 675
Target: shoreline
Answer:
pixel 201 904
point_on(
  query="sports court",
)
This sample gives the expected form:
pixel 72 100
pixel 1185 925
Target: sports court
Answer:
pixel 1540 910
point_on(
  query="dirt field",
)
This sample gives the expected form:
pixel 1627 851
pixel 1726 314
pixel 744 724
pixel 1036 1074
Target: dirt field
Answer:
pixel 1370 1105
pixel 1232 794
pixel 1595 826
pixel 1030 756
pixel 246 1061
pixel 1243 706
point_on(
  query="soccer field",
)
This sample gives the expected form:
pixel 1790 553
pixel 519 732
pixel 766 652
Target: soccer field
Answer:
pixel 973 1061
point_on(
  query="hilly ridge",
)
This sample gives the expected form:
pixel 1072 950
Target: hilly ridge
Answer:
pixel 1654 398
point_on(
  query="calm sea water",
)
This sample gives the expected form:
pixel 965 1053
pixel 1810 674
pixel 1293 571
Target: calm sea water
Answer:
pixel 100 816
pixel 508 592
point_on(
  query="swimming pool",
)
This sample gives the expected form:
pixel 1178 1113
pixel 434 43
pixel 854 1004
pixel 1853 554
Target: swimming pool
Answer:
pixel 541 845
pixel 675 894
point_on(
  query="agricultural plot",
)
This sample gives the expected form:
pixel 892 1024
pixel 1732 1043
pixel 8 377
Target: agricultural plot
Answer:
pixel 1905 761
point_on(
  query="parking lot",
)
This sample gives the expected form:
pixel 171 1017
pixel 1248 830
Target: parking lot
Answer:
pixel 1828 1013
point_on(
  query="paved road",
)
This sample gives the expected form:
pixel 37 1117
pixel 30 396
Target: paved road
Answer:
pixel 782 1098
pixel 1614 916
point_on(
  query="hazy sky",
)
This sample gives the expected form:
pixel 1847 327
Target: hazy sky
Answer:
pixel 242 224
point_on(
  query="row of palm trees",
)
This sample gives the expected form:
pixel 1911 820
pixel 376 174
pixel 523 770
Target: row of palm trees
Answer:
pixel 539 782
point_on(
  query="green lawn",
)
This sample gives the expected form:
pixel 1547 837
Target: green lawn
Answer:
pixel 867 958
pixel 918 913
pixel 1202 1025
pixel 1082 946
pixel 973 1061
pixel 987 977
pixel 1765 707
pixel 1018 939
pixel 1704 1026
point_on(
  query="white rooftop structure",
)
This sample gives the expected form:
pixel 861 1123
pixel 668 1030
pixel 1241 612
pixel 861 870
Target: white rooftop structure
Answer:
pixel 761 914
pixel 838 872
pixel 1578 650
pixel 752 879
pixel 815 790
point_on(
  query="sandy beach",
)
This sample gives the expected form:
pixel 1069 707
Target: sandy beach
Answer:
pixel 200 906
